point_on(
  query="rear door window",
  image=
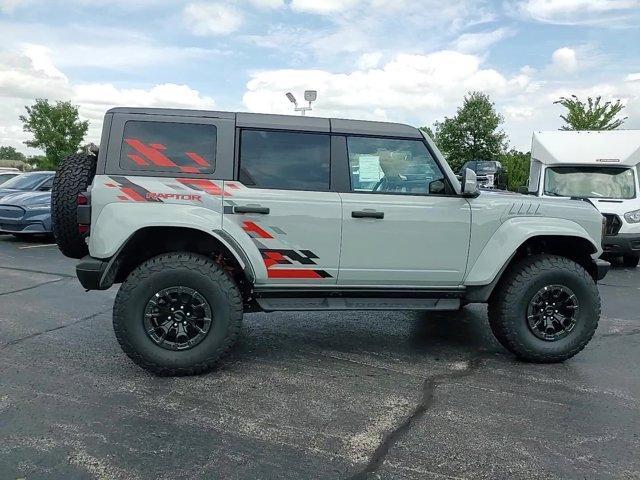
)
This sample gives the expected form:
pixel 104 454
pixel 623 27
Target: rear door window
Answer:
pixel 168 147
pixel 285 160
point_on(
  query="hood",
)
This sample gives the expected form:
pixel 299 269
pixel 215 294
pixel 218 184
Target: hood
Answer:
pixel 20 199
pixel 6 191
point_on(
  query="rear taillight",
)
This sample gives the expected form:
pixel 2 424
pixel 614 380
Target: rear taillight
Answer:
pixel 84 213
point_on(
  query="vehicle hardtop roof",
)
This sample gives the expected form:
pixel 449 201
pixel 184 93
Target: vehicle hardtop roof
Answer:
pixel 603 148
pixel 287 122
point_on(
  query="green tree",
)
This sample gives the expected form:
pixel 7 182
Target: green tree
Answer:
pixel 10 153
pixel 57 129
pixel 590 115
pixel 473 133
pixel 517 165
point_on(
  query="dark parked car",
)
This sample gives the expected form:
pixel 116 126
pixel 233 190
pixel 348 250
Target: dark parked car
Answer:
pixel 26 213
pixel 5 176
pixel 490 173
pixel 28 182
pixel 25 204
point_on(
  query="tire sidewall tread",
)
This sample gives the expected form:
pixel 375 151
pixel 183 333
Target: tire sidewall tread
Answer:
pixel 508 308
pixel 165 271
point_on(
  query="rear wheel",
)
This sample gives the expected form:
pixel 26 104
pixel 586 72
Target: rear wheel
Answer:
pixel 546 309
pixel 74 175
pixel 177 314
pixel 631 261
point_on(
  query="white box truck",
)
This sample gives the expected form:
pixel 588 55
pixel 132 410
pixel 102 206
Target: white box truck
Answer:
pixel 601 166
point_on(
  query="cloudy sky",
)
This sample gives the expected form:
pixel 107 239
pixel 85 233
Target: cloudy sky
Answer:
pixel 399 60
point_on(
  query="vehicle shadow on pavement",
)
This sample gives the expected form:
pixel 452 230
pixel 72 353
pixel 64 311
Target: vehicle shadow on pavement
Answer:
pixel 443 335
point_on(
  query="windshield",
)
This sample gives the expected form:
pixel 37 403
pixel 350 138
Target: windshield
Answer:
pixel 26 181
pixel 590 182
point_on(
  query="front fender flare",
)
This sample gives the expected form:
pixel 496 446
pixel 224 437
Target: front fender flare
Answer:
pixel 512 234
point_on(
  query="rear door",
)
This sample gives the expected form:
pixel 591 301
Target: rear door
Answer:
pixel 281 207
pixel 401 227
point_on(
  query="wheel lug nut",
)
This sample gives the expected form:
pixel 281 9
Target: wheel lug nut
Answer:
pixel 184 323
pixel 175 324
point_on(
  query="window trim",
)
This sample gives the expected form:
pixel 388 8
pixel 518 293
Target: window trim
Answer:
pixel 224 146
pixel 449 190
pixel 238 159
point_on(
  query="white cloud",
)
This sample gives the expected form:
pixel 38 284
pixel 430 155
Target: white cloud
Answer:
pixel 420 89
pixel 565 60
pixel 323 6
pixel 32 74
pixel 406 85
pixel 369 60
pixel 268 3
pixel 480 42
pixel 575 12
pixel 211 18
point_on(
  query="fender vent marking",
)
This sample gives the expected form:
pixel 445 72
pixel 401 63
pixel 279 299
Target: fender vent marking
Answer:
pixel 525 209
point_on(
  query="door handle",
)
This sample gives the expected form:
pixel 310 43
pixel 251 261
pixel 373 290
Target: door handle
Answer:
pixel 250 209
pixel 367 214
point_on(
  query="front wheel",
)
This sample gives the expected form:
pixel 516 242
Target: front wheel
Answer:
pixel 546 309
pixel 177 314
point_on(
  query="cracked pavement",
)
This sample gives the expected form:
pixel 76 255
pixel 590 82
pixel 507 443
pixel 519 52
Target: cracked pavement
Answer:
pixel 358 395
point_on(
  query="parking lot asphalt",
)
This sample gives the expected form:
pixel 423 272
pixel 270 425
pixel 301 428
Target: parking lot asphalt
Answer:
pixel 309 395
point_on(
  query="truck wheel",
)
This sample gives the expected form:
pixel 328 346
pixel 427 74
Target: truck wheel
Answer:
pixel 177 314
pixel 74 175
pixel 545 309
pixel 631 261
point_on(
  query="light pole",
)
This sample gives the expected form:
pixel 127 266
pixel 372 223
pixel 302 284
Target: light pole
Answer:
pixel 309 96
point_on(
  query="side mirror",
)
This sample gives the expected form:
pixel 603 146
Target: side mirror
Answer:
pixel 469 183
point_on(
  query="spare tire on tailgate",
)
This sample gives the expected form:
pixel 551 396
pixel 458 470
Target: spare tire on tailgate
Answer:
pixel 74 175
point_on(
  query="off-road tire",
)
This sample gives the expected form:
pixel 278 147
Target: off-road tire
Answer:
pixel 509 303
pixel 170 270
pixel 74 175
pixel 631 261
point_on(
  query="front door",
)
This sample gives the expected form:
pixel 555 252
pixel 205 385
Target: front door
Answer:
pixel 400 227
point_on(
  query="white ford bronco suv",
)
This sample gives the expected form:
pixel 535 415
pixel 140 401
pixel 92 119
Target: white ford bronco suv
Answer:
pixel 205 216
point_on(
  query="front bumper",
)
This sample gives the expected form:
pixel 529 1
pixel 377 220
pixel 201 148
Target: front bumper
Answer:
pixel 14 219
pixel 622 244
pixel 601 269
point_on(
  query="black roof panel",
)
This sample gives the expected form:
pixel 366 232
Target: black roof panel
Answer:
pixel 288 122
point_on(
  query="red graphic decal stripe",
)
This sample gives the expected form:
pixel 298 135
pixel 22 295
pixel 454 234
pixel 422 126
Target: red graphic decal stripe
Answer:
pixel 198 159
pixel 201 184
pixel 288 273
pixel 255 228
pixel 189 169
pixel 149 152
pixel 131 193
pixel 137 159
